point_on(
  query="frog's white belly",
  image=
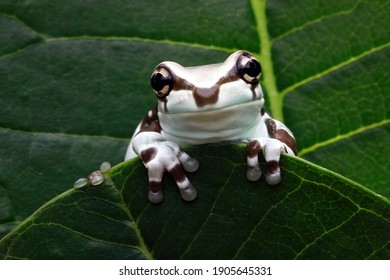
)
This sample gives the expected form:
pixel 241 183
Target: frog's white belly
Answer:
pixel 238 122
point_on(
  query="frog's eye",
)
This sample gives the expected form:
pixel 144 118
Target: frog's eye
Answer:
pixel 249 68
pixel 162 81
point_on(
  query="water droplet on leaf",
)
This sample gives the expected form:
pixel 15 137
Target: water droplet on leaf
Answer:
pixel 105 167
pixel 96 178
pixel 82 182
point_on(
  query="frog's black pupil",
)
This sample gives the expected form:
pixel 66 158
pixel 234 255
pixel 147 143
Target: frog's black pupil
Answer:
pixel 249 68
pixel 252 68
pixel 159 81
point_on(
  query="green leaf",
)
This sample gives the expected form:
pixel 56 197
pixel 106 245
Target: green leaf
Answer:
pixel 74 82
pixel 332 68
pixel 313 214
pixel 76 225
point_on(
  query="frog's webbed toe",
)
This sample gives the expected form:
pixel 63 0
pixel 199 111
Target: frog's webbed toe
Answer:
pixel 187 191
pixel 253 171
pixel 187 162
pixel 273 175
pixel 167 157
pixel 272 149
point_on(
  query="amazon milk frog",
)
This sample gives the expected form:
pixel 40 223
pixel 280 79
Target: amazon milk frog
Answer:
pixel 207 104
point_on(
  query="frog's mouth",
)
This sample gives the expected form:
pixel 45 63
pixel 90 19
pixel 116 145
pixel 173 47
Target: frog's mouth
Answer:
pixel 220 124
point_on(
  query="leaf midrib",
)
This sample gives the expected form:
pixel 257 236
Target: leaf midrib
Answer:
pixel 269 81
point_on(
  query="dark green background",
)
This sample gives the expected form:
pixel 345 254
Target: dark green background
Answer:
pixel 74 83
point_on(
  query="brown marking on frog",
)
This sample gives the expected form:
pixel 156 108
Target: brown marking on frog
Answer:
pixel 148 154
pixel 283 136
pixel 207 95
pixel 280 134
pixel 155 186
pixel 151 121
pixel 253 148
pixel 272 166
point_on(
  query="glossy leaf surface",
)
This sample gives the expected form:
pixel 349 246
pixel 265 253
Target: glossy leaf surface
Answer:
pixel 313 214
pixel 74 82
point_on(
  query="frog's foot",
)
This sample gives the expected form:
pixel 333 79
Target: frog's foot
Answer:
pixel 272 149
pixel 163 157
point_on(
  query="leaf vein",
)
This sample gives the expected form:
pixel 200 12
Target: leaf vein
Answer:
pixel 64 135
pixel 263 219
pixel 195 236
pixel 341 137
pixel 144 248
pixel 315 21
pixel 334 68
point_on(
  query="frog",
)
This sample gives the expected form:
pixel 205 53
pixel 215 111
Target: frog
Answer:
pixel 214 103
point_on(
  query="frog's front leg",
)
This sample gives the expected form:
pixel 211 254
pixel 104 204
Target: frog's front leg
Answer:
pixel 160 156
pixel 277 141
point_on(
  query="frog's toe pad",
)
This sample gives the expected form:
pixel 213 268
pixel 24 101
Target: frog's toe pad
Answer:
pixel 272 175
pixel 253 173
pixel 155 197
pixel 189 193
pixel 190 164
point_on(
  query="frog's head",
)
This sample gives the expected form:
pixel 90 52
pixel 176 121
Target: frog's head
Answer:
pixel 209 87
